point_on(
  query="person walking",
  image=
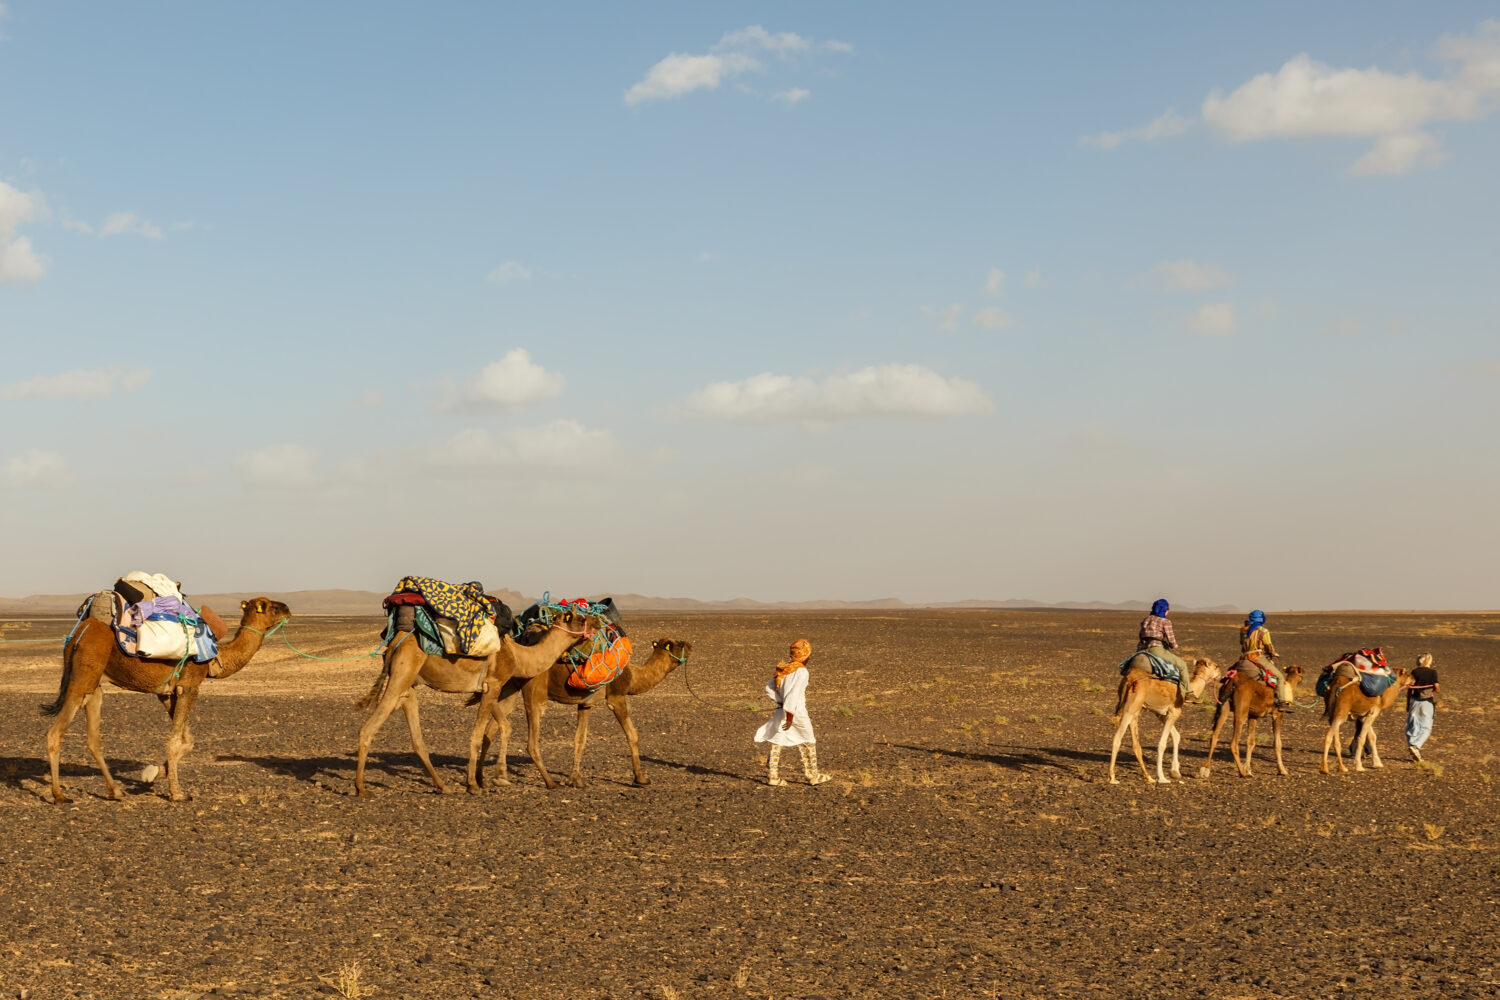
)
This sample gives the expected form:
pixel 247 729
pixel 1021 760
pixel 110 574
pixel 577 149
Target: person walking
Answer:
pixel 1157 637
pixel 1421 702
pixel 791 726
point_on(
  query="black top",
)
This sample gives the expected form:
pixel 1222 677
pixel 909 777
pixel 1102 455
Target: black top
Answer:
pixel 1422 680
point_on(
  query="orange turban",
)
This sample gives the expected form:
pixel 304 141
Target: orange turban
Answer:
pixel 800 651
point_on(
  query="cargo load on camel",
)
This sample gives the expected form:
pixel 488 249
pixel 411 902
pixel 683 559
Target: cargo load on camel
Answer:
pixel 1368 666
pixel 595 664
pixel 152 620
pixel 447 619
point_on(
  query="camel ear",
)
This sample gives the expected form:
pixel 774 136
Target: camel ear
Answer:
pixel 244 605
pixel 260 607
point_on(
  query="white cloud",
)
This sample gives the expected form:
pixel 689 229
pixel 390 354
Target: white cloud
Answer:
pixel 1344 326
pixel 367 400
pixel 1307 99
pixel 512 383
pixel 278 466
pixel 991 318
pixel 129 224
pixel 1215 319
pixel 42 469
pixel 1033 278
pixel 1166 125
pixel 561 445
pixel 81 383
pixel 1398 154
pixel 948 317
pixel 736 53
pixel 78 226
pixel 511 270
pixel 994 282
pixel 877 391
pixel 19 262
pixel 1190 275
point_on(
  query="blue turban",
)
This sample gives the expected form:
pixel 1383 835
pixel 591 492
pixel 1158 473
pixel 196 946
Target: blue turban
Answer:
pixel 1255 621
pixel 1160 607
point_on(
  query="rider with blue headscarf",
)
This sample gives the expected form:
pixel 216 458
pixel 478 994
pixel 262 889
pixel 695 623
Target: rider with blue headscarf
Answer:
pixel 1157 636
pixel 1256 648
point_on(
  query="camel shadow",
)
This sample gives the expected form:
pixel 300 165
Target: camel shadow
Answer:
pixel 392 764
pixel 696 769
pixel 1016 758
pixel 18 771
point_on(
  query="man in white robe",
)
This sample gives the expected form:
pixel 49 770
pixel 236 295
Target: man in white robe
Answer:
pixel 791 726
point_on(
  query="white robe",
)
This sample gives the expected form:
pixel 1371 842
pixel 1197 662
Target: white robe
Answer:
pixel 790 697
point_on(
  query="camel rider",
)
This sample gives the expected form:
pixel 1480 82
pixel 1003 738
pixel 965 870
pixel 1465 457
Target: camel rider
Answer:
pixel 1158 637
pixel 1256 648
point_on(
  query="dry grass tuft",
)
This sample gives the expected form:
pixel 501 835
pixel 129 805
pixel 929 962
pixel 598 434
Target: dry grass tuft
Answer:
pixel 346 982
pixel 741 977
pixel 1435 769
pixel 1433 830
pixel 668 993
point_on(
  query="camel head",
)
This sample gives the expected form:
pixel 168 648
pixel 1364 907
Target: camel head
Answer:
pixel 1293 677
pixel 676 649
pixel 1207 669
pixel 262 613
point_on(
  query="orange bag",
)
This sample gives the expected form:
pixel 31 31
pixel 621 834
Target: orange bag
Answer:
pixel 607 662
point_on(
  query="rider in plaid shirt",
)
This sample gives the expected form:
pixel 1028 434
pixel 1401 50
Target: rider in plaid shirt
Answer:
pixel 1157 636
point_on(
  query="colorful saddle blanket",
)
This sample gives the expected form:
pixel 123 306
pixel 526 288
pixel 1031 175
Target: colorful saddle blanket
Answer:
pixel 1373 682
pixel 467 605
pixel 1164 669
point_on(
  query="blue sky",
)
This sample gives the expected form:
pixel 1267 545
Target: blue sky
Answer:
pixel 777 300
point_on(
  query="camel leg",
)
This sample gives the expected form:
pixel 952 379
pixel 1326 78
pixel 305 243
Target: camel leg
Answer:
pixel 535 707
pixel 1234 742
pixel 1220 717
pixel 1250 745
pixel 1114 750
pixel 1370 739
pixel 1161 745
pixel 483 719
pixel 180 739
pixel 1276 735
pixel 500 723
pixel 1176 743
pixel 418 743
pixel 92 711
pixel 580 737
pixel 404 671
pixel 1135 743
pixel 55 734
pixel 1361 738
pixel 1337 737
pixel 620 705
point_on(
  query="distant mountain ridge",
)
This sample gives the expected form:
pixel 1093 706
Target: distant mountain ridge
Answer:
pixel 367 602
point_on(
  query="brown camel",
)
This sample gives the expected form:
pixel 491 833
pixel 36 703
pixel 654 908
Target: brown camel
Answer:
pixel 666 656
pixel 405 663
pixel 1141 689
pixel 93 654
pixel 1249 699
pixel 1345 699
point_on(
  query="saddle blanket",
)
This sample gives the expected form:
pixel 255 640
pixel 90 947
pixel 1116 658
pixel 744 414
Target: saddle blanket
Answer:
pixel 1161 668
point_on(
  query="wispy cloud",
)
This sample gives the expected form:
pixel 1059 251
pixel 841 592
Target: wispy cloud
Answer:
pixel 561 445
pixel 1190 275
pixel 1215 319
pixel 994 281
pixel 510 384
pixel 991 318
pixel 948 317
pixel 511 270
pixel 80 383
pixel 1166 125
pixel 36 469
pixel 910 391
pixel 736 53
pixel 129 224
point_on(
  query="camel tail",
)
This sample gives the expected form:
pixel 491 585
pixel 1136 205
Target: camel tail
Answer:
pixel 62 686
pixel 378 688
pixel 1125 688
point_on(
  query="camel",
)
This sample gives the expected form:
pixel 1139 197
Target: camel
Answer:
pixel 666 656
pixel 1249 699
pixel 1345 699
pixel 94 654
pixel 405 663
pixel 1140 688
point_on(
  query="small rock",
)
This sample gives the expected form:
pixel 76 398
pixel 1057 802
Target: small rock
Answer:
pixel 149 773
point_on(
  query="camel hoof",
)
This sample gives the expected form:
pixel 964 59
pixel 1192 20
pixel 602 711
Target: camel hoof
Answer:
pixel 58 798
pixel 1284 773
pixel 180 797
pixel 575 782
pixel 1114 781
pixel 113 795
pixel 641 781
pixel 476 789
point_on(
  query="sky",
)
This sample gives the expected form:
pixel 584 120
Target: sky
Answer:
pixel 779 300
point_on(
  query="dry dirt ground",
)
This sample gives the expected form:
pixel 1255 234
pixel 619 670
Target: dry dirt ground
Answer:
pixel 968 846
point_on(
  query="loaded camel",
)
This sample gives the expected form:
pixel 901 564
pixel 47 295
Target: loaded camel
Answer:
pixel 1346 699
pixel 1247 697
pixel 666 656
pixel 405 663
pixel 93 654
pixel 1141 689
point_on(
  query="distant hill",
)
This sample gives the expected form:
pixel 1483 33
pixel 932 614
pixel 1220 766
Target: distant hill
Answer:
pixel 367 602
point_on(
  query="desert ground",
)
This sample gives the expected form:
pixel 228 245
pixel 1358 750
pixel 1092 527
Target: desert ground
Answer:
pixel 968 845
